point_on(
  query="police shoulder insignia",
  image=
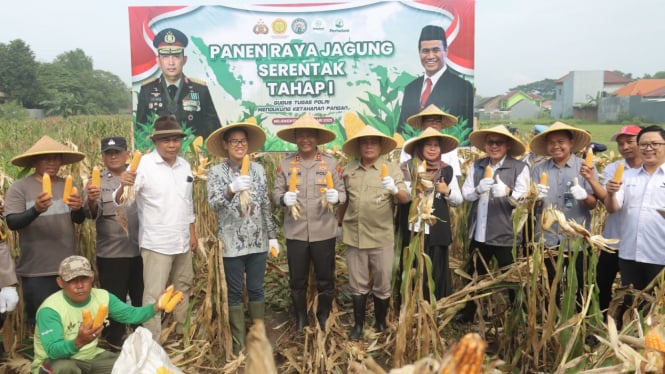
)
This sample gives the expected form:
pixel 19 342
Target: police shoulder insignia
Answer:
pixel 149 81
pixel 198 81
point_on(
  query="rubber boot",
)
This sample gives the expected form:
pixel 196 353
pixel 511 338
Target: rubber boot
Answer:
pixel 237 322
pixel 323 309
pixel 257 310
pixel 359 302
pixel 299 299
pixel 380 309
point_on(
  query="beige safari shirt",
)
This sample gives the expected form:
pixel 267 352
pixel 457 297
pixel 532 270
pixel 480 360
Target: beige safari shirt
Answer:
pixel 316 223
pixel 369 217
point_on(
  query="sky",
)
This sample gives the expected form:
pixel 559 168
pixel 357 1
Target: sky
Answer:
pixel 517 41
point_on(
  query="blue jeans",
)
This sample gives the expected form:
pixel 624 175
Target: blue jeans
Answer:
pixel 35 291
pixel 254 265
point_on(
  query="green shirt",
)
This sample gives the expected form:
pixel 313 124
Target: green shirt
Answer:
pixel 58 321
pixel 369 217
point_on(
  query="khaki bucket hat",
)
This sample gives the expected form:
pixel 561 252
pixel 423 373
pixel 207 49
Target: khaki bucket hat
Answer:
pixel 351 147
pixel 477 139
pixel 306 121
pixel 580 138
pixel 448 142
pixel 255 138
pixel 47 146
pixel 416 120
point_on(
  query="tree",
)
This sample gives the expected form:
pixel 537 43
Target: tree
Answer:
pixel 18 73
pixel 659 75
pixel 544 88
pixel 75 60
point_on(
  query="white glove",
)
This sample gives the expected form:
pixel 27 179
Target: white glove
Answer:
pixel 241 183
pixel 8 299
pixel 273 245
pixel 579 193
pixel 290 198
pixel 389 184
pixel 499 188
pixel 484 185
pixel 332 196
pixel 543 190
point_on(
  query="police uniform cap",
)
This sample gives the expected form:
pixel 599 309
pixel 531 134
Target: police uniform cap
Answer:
pixel 170 41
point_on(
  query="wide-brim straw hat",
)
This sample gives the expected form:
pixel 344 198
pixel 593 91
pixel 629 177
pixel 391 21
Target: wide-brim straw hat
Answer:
pixel 306 121
pixel 477 139
pixel 580 138
pixel 255 138
pixel 448 143
pixel 352 148
pixel 47 146
pixel 416 120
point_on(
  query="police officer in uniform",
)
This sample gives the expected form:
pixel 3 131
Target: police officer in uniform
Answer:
pixel 174 93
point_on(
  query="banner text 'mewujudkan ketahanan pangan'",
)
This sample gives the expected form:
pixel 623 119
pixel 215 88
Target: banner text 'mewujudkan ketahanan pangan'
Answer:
pixel 271 63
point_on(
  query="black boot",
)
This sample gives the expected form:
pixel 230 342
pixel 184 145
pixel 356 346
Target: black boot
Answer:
pixel 323 309
pixel 359 302
pixel 380 309
pixel 299 298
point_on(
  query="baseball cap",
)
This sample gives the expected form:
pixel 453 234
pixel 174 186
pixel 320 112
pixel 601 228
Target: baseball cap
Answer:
pixel 114 142
pixel 75 266
pixel 627 130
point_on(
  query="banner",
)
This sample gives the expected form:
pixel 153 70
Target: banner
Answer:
pixel 346 63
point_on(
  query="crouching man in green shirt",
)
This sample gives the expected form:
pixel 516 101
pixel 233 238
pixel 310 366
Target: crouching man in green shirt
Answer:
pixel 63 344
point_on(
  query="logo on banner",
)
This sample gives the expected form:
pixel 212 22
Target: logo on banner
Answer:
pixel 299 26
pixel 339 26
pixel 279 26
pixel 318 25
pixel 260 28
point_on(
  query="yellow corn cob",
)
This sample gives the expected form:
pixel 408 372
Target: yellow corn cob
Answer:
pixel 618 174
pixel 135 161
pixel 69 181
pixel 173 302
pixel 75 191
pixel 100 316
pixel 329 181
pixel 653 340
pixel 166 296
pixel 488 171
pixel 244 168
pixel 352 124
pixel 273 252
pixel 589 158
pixel 293 180
pixel 543 178
pixel 384 171
pixel 197 143
pixel 87 318
pixel 163 370
pixel 96 180
pixel 46 184
pixel 335 148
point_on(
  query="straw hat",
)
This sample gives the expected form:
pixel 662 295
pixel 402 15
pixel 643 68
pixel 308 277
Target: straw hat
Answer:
pixel 47 146
pixel 580 138
pixel 306 121
pixel 416 120
pixel 448 143
pixel 165 127
pixel 477 139
pixel 255 138
pixel 351 147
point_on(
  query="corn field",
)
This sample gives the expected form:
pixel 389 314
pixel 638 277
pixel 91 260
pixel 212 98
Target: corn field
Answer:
pixel 535 332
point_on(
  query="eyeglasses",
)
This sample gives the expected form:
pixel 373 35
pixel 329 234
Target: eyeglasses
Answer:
pixel 654 145
pixel 495 142
pixel 237 142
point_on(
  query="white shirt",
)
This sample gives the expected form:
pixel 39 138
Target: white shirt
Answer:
pixel 642 227
pixel 470 194
pixel 612 228
pixel 164 202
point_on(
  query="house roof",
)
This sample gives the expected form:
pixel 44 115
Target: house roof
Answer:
pixel 641 87
pixel 609 77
